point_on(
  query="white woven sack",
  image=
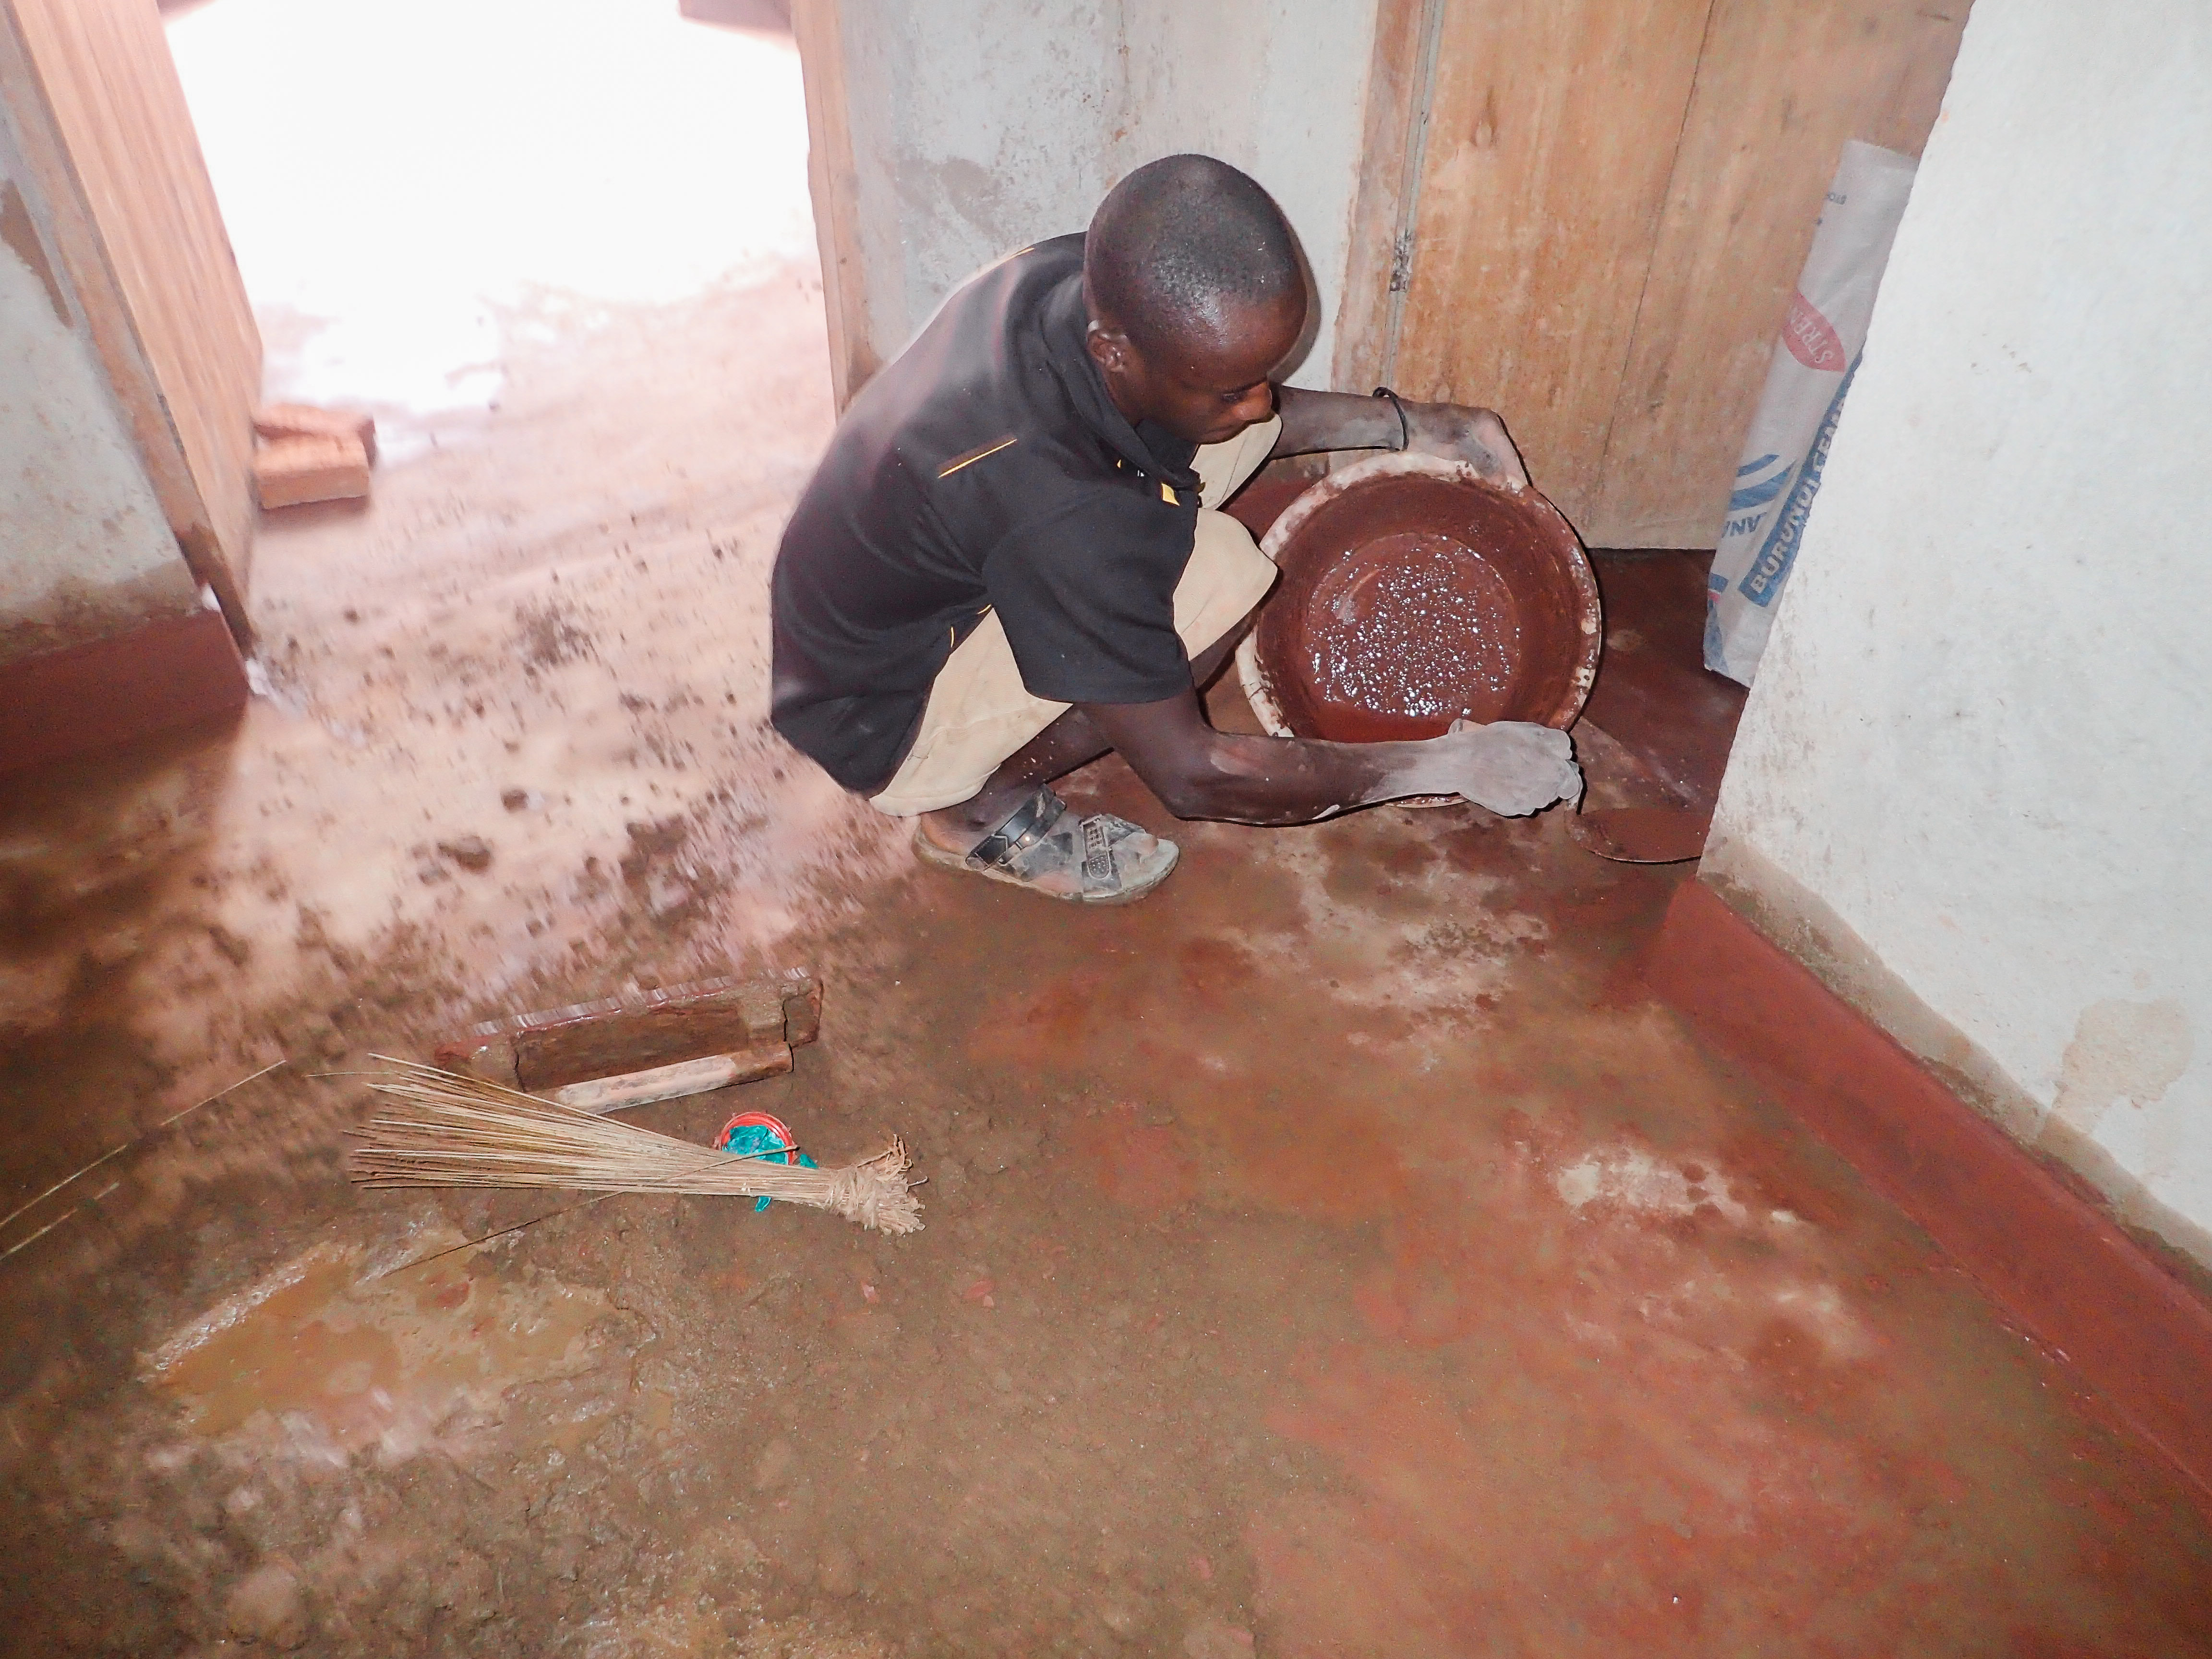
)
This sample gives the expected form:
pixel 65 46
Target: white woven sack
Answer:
pixel 1812 369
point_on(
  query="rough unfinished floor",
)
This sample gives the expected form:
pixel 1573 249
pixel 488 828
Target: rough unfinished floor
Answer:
pixel 1336 1255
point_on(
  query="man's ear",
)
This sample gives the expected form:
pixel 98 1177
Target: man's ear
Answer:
pixel 1110 348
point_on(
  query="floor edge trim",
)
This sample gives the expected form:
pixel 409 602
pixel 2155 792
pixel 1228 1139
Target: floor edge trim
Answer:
pixel 2059 1266
pixel 170 672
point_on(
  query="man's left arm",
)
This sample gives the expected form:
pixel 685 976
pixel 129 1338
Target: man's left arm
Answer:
pixel 1317 420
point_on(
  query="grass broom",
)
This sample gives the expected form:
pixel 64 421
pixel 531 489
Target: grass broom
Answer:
pixel 457 1130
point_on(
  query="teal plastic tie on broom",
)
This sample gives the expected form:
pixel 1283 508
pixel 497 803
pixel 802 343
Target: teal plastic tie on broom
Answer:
pixel 761 1135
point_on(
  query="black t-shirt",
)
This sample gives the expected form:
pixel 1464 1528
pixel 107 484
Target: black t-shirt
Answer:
pixel 986 468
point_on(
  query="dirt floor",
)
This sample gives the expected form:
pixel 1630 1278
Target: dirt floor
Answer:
pixel 1337 1255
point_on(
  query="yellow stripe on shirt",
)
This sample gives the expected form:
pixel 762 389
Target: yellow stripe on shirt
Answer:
pixel 982 452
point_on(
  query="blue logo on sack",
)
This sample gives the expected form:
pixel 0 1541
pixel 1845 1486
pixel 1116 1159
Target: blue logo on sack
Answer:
pixel 1716 643
pixel 1772 567
pixel 1762 492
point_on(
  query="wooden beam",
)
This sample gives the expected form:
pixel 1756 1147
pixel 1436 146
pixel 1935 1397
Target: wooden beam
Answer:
pixel 1383 209
pixel 834 183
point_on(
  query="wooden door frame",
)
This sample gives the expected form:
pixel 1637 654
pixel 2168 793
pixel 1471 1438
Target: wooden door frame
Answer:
pixel 833 184
pixel 1378 266
pixel 214 543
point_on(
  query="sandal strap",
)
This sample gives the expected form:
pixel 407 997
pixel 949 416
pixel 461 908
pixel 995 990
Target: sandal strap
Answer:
pixel 1098 850
pixel 1027 825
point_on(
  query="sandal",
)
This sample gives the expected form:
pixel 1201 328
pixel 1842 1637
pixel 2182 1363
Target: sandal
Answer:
pixel 1100 860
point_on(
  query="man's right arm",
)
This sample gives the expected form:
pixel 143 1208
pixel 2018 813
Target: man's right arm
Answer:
pixel 1314 421
pixel 1511 768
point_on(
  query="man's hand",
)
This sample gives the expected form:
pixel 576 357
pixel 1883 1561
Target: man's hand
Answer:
pixel 1511 767
pixel 1476 436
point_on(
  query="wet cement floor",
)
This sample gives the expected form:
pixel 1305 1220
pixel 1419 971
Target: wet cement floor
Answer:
pixel 1336 1255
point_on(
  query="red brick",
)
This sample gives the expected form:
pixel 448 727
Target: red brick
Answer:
pixel 291 470
pixel 306 421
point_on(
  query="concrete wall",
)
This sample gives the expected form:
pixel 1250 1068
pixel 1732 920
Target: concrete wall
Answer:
pixel 85 552
pixel 1974 778
pixel 980 125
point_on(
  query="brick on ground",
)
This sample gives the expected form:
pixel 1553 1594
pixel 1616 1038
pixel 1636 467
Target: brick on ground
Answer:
pixel 289 472
pixel 306 421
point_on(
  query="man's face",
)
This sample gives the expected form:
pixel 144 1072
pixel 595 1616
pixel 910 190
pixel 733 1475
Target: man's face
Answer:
pixel 1210 385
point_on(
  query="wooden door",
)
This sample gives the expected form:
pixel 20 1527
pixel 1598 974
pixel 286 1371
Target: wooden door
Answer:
pixel 1602 210
pixel 102 122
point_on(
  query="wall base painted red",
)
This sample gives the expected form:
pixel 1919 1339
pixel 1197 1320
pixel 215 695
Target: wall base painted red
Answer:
pixel 172 672
pixel 2052 1259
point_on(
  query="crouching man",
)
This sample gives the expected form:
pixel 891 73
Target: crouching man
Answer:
pixel 1010 562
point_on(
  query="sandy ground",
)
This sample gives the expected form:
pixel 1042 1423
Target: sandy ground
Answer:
pixel 1337 1255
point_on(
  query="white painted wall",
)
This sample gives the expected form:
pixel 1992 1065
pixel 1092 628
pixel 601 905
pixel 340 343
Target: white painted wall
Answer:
pixel 1979 743
pixel 84 550
pixel 980 125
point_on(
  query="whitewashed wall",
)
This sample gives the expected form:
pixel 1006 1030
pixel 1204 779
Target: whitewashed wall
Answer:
pixel 979 125
pixel 1974 780
pixel 84 550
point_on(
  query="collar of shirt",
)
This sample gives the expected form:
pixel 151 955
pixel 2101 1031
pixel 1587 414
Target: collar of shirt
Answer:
pixel 1153 450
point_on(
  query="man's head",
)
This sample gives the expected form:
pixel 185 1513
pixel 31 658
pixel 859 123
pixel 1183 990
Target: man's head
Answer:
pixel 1196 296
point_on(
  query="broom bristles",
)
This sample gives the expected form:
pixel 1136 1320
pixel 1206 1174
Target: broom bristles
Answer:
pixel 460 1131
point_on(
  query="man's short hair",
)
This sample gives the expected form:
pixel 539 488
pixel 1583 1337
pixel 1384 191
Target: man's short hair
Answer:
pixel 1182 243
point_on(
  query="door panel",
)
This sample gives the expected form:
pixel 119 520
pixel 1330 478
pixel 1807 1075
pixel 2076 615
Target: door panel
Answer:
pixel 1780 88
pixel 1552 133
pixel 105 126
pixel 1612 202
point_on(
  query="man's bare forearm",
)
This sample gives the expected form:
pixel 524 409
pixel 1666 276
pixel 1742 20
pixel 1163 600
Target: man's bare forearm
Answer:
pixel 1316 421
pixel 1282 781
pixel 1510 767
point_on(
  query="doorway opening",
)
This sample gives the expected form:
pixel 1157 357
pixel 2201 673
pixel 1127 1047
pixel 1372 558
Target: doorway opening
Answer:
pixel 563 251
pixel 420 195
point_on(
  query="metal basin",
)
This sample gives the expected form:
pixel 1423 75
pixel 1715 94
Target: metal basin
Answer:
pixel 1414 594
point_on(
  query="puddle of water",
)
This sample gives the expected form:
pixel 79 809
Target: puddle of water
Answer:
pixel 371 1356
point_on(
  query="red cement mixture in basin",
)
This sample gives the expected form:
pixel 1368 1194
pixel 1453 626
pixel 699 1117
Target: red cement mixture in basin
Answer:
pixel 1414 594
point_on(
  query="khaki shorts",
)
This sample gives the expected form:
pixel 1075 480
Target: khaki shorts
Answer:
pixel 980 712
